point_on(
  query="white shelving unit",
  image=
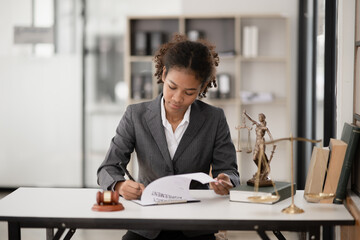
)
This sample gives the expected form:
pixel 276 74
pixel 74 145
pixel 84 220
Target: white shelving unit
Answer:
pixel 267 72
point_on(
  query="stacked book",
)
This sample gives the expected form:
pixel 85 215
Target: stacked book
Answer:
pixel 243 192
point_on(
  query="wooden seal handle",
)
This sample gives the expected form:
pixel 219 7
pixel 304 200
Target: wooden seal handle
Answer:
pixel 107 198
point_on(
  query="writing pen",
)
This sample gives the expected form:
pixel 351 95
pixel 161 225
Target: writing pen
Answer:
pixel 126 172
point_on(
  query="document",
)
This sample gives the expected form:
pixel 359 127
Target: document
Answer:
pixel 172 189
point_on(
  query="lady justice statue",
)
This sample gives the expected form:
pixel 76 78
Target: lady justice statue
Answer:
pixel 261 129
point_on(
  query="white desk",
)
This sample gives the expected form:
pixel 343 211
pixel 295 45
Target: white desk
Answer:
pixel 71 209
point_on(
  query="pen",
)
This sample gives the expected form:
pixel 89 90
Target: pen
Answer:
pixel 126 172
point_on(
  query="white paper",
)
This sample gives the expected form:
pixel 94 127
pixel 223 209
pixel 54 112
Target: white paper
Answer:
pixel 172 189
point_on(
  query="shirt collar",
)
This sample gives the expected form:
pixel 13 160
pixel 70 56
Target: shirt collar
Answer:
pixel 163 114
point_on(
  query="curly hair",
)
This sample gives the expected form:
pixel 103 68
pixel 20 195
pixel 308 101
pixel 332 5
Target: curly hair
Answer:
pixel 198 57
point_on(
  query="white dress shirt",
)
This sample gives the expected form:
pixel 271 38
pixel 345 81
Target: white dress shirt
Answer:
pixel 173 137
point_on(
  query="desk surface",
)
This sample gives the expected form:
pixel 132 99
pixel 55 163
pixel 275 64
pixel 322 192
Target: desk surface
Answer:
pixel 51 207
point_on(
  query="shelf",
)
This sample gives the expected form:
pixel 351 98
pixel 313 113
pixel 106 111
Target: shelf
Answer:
pixel 263 59
pixel 146 34
pixel 215 29
pixel 276 101
pixel 135 101
pixel 267 71
pixel 219 102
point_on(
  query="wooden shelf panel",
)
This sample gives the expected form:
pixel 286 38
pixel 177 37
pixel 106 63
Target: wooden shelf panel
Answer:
pixel 264 59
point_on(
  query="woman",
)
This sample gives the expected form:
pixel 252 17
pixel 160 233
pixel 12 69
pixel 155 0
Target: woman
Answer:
pixel 175 133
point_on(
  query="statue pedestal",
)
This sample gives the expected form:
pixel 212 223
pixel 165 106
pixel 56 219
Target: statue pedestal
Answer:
pixel 262 182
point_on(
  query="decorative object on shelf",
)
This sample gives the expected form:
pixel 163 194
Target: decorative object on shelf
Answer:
pixel 213 92
pixel 141 86
pixel 136 86
pixel 107 201
pixel 194 35
pixel 147 42
pixel 156 39
pixel 147 86
pixel 250 41
pixel 292 208
pixel 261 129
pixel 141 43
pixel 248 97
pixel 224 85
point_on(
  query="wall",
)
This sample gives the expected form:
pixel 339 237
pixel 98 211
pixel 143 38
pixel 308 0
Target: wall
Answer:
pixel 40 109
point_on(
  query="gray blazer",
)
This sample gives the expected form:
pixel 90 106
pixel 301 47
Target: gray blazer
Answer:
pixel 206 142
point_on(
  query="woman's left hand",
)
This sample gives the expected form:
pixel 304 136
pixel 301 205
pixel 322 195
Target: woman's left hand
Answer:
pixel 222 185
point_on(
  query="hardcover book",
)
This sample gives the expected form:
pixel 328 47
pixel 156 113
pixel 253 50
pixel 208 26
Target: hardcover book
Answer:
pixel 141 43
pixel 351 136
pixel 317 170
pixel 242 192
pixel 156 39
pixel 337 154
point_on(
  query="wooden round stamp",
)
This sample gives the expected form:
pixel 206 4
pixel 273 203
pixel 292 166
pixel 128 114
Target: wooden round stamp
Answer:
pixel 107 201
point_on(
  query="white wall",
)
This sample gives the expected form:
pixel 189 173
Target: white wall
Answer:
pixel 40 110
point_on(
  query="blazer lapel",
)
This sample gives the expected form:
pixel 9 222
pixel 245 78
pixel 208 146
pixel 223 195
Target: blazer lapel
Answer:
pixel 196 121
pixel 153 120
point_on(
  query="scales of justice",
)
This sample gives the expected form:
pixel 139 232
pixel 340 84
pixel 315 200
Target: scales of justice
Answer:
pixel 261 177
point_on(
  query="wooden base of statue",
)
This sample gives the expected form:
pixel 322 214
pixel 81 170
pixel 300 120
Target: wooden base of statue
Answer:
pixel 262 182
pixel 108 208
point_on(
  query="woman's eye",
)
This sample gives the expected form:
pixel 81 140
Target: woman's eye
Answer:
pixel 189 94
pixel 172 88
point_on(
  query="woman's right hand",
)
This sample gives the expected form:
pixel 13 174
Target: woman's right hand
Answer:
pixel 129 189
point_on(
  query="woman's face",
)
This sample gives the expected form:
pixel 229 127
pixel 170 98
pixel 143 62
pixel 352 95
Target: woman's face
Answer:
pixel 180 90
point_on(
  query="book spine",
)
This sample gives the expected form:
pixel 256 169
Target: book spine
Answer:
pixel 346 168
pixel 246 41
pixel 285 193
pixel 224 86
pixel 254 41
